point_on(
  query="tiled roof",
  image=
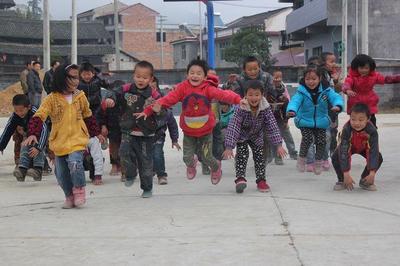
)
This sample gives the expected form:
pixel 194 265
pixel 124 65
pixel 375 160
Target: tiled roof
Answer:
pixel 59 30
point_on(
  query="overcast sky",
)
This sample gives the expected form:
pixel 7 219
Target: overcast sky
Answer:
pixel 175 12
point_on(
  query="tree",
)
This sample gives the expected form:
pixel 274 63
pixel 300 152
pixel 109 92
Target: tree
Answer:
pixel 34 10
pixel 251 41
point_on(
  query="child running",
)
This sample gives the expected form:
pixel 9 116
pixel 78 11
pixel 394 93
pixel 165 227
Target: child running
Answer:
pixel 360 82
pixel 72 125
pixel 310 107
pixel 29 155
pixel 359 136
pixel 136 150
pixel 197 119
pixel 247 128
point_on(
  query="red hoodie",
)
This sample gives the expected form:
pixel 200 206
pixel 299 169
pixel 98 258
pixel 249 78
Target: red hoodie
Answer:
pixel 364 87
pixel 197 118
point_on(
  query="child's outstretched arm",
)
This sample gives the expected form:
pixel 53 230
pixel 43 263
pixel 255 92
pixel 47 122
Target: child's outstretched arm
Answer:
pixel 389 79
pixel 35 125
pixel 233 132
pixel 348 86
pixel 344 149
pixel 373 158
pixel 9 130
pixel 294 105
pixel 225 96
pixel 173 130
pixel 335 100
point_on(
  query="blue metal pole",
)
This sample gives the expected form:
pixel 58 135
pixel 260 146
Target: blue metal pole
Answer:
pixel 211 43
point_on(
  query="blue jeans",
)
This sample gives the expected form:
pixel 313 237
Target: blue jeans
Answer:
pixel 159 159
pixel 35 98
pixel 70 172
pixel 26 162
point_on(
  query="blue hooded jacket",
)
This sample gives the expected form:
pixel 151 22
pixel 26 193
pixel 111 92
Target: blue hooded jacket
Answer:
pixel 312 115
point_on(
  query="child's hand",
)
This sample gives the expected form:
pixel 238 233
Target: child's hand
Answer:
pixel 110 103
pixel 290 114
pixel 335 109
pixel 33 152
pixel 281 152
pixel 351 93
pixel 370 179
pixel 156 107
pixel 31 140
pixel 177 146
pixel 243 103
pixel 348 181
pixel 101 138
pixel 228 154
pixel 140 115
pixel 104 131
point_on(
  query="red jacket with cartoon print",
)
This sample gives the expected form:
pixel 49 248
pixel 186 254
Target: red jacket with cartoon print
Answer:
pixel 364 87
pixel 197 118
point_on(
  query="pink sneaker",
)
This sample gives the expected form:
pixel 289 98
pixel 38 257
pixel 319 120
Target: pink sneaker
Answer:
pixel 191 171
pixel 301 164
pixel 310 167
pixel 326 165
pixel 69 202
pixel 79 196
pixel 216 176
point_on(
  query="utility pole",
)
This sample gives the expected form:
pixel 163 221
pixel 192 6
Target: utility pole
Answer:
pixel 46 35
pixel 364 27
pixel 211 39
pixel 201 31
pixel 116 36
pixel 162 20
pixel 344 37
pixel 74 41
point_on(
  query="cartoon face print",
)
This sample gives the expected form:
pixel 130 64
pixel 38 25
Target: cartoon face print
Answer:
pixel 130 98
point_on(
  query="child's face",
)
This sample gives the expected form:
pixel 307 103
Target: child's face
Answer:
pixel 330 63
pixel 72 80
pixel 252 69
pixel 358 121
pixel 142 77
pixel 277 78
pixel 87 76
pixel 225 108
pixel 364 70
pixel 312 80
pixel 21 110
pixel 196 75
pixel 254 97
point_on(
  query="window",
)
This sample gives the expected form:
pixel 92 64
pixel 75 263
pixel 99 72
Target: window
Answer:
pixel 222 46
pixel 337 50
pixel 317 51
pixel 159 36
pixel 183 52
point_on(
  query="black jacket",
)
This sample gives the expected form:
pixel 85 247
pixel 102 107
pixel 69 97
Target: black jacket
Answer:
pixel 48 81
pixel 34 83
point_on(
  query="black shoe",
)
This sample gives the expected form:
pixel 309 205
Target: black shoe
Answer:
pixel 20 173
pixel 293 156
pixel 36 173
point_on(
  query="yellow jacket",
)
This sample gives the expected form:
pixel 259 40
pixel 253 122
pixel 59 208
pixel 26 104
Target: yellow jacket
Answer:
pixel 69 132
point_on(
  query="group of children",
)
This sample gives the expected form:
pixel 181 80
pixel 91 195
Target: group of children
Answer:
pixel 253 111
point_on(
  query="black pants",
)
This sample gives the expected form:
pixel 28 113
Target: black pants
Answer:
pixel 242 156
pixel 310 135
pixel 137 155
pixel 339 171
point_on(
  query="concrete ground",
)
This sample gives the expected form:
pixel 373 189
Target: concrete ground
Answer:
pixel 302 221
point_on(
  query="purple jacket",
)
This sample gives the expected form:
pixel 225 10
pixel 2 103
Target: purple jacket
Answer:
pixel 246 127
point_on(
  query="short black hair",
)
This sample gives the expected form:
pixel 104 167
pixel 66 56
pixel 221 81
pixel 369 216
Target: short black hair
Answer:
pixel 250 59
pixel 313 68
pixel 362 60
pixel 198 62
pixel 361 108
pixel 253 84
pixel 35 63
pixel 325 55
pixel 86 66
pixel 314 60
pixel 60 77
pixel 54 62
pixel 277 70
pixel 28 63
pixel 145 64
pixel 20 100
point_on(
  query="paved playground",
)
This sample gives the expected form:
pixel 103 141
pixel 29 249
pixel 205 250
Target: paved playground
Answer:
pixel 302 221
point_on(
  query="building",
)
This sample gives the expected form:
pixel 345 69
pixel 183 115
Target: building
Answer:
pixel 318 24
pixel 273 22
pixel 127 61
pixel 21 40
pixel 140 32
